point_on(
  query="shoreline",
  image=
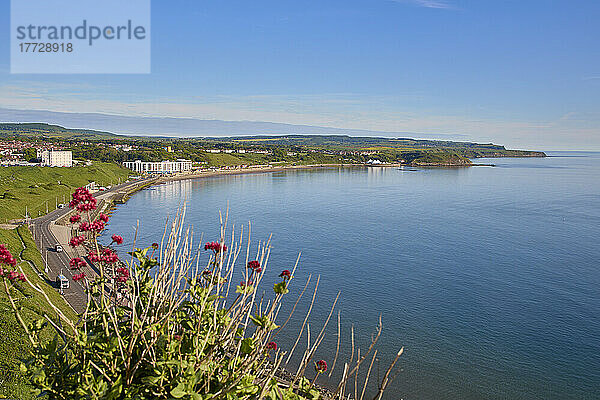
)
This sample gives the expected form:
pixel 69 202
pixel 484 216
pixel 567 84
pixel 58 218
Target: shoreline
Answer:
pixel 122 197
pixel 250 170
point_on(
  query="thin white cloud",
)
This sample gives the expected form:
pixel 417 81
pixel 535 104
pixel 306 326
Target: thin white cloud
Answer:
pixel 571 131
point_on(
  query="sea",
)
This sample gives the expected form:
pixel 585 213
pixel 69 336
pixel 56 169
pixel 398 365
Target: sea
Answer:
pixel 488 276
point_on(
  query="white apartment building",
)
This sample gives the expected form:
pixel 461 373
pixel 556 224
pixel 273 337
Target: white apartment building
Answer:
pixel 55 158
pixel 159 167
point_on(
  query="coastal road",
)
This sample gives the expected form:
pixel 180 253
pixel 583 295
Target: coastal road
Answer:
pixel 58 262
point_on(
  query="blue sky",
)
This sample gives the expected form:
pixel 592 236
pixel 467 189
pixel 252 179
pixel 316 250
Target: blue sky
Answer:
pixel 521 73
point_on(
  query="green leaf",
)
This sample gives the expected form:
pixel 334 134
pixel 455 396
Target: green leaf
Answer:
pixel 264 322
pixel 187 324
pixel 247 346
pixel 179 391
pixel 116 389
pixel 244 289
pixel 280 288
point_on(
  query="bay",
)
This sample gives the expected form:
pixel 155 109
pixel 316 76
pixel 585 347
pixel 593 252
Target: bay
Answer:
pixel 488 276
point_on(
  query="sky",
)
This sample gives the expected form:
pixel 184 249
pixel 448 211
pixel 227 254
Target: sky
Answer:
pixel 525 74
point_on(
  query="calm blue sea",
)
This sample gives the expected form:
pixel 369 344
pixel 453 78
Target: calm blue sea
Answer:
pixel 488 276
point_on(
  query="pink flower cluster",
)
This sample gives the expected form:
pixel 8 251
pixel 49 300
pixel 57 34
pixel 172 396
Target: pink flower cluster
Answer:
pixel 75 218
pixel 271 346
pixel 109 256
pixel 77 263
pixel 12 275
pixel 103 217
pixel 95 226
pixel 117 239
pixel 122 274
pixel 93 256
pixel 83 200
pixel 254 266
pixel 321 366
pixel 76 241
pixel 215 246
pixel 6 257
pixel 285 274
pixel 78 277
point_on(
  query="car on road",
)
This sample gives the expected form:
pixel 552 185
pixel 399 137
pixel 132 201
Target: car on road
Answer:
pixel 58 248
pixel 62 282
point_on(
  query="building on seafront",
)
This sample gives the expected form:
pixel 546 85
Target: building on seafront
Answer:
pixel 159 167
pixel 55 158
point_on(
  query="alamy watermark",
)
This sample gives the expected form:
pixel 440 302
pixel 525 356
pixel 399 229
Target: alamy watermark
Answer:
pixel 66 36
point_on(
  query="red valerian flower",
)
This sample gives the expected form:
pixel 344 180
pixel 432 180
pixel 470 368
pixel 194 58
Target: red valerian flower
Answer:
pixel 85 226
pixel 246 283
pixel 122 274
pixel 5 256
pixel 109 256
pixel 93 256
pixel 285 274
pixel 97 226
pixel 77 263
pixel 103 217
pixel 91 205
pixel 254 266
pixel 271 346
pixel 155 246
pixel 117 239
pixel 76 241
pixel 75 218
pixel 321 366
pixel 83 200
pixel 12 275
pixel 177 337
pixel 215 246
pixel 78 277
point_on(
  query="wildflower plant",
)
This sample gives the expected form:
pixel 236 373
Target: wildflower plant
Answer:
pixel 161 326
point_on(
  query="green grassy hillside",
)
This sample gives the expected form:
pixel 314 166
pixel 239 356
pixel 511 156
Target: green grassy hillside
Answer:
pixel 36 187
pixel 14 345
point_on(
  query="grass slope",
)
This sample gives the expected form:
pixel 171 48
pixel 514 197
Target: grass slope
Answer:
pixel 14 345
pixel 35 187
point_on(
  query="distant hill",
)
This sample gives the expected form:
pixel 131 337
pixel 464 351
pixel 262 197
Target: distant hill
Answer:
pixel 353 141
pixel 51 131
pixel 344 142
